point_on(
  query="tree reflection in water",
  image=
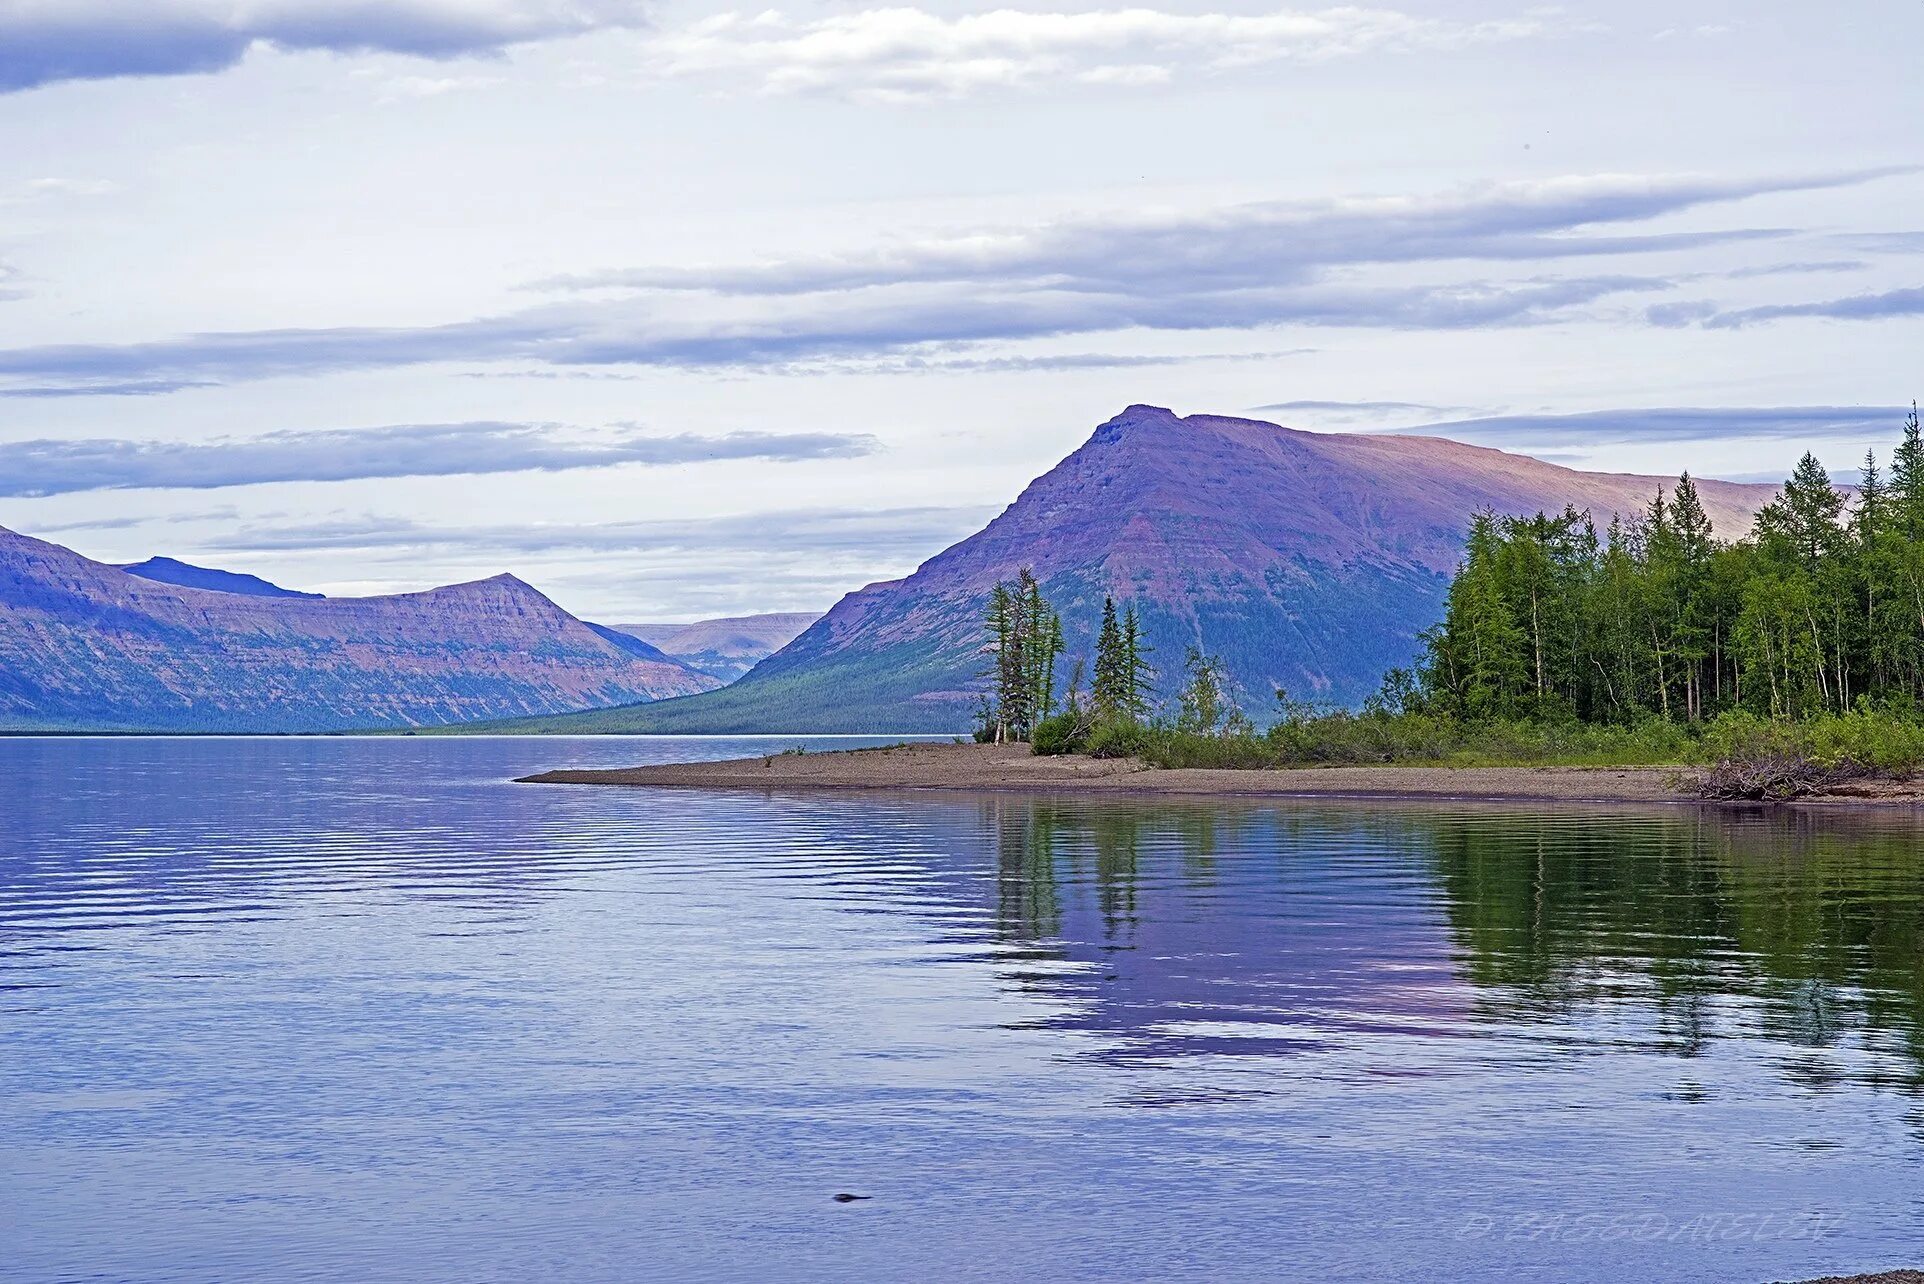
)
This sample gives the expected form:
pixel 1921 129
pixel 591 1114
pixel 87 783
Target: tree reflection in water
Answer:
pixel 1267 928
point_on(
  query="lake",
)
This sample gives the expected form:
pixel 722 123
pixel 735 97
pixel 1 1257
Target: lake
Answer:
pixel 365 1009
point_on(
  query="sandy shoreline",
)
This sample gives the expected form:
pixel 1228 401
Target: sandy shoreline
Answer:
pixel 1012 769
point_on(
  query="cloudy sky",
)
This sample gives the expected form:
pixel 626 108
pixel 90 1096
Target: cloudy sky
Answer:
pixel 678 310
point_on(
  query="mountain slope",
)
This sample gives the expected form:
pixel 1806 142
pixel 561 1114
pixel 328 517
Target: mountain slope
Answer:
pixel 87 646
pixel 1307 561
pixel 168 570
pixel 728 647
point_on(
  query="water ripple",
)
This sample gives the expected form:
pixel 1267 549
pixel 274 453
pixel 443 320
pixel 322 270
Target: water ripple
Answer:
pixel 362 1008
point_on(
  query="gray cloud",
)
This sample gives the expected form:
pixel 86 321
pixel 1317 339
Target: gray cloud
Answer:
pixel 1611 427
pixel 1797 269
pixel 1352 410
pixel 133 388
pixel 1243 267
pixel 938 363
pixel 1838 476
pixel 55 467
pixel 223 513
pixel 46 41
pixel 1857 307
pixel 933 358
pixel 1266 242
pixel 1882 242
pixel 887 533
pixel 1673 316
pixel 634 333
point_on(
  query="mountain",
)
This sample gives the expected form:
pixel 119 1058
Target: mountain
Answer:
pixel 728 647
pixel 1308 561
pixel 623 640
pixel 167 570
pixel 87 646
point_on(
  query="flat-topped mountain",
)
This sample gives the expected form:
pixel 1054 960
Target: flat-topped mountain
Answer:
pixel 1307 561
pixel 170 570
pixel 729 647
pixel 87 646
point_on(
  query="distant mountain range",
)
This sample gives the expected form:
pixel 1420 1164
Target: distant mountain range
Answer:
pixel 728 647
pixel 1306 561
pixel 87 646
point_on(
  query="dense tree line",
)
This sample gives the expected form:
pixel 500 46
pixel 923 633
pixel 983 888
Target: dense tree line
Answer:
pixel 1817 608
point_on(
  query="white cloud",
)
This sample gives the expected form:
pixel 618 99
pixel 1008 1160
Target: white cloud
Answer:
pixel 45 189
pixel 409 88
pixel 901 54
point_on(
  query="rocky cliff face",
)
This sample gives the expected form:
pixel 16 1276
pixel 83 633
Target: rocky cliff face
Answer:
pixel 84 645
pixel 1306 561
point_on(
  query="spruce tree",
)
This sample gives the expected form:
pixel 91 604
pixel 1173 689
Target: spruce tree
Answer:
pixel 1805 516
pixel 1002 625
pixel 1907 480
pixel 1690 604
pixel 1883 624
pixel 1138 675
pixel 1110 692
pixel 1025 638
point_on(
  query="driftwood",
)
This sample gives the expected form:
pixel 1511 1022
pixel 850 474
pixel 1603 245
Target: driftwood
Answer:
pixel 1776 777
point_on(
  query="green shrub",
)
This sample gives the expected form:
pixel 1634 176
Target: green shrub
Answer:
pixel 1887 741
pixel 1118 738
pixel 1883 741
pixel 1237 749
pixel 1059 733
pixel 1747 755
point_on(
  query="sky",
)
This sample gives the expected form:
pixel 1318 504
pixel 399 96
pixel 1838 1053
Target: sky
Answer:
pixel 677 310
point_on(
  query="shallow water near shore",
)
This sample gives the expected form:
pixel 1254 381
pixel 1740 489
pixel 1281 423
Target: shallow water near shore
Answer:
pixel 363 1008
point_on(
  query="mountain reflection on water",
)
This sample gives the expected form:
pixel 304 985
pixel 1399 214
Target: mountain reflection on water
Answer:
pixel 325 1009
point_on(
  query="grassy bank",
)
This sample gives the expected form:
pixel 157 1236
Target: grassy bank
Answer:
pixel 1737 755
pixel 1359 739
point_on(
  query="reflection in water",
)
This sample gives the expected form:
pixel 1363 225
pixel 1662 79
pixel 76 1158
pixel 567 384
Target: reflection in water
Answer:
pixel 1816 916
pixel 362 1009
pixel 1799 927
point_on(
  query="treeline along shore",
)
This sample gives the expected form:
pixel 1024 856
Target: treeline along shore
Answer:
pixel 1648 658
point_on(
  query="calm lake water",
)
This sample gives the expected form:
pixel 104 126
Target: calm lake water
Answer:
pixel 363 1009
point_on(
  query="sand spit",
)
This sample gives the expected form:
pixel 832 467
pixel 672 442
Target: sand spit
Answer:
pixel 1012 769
